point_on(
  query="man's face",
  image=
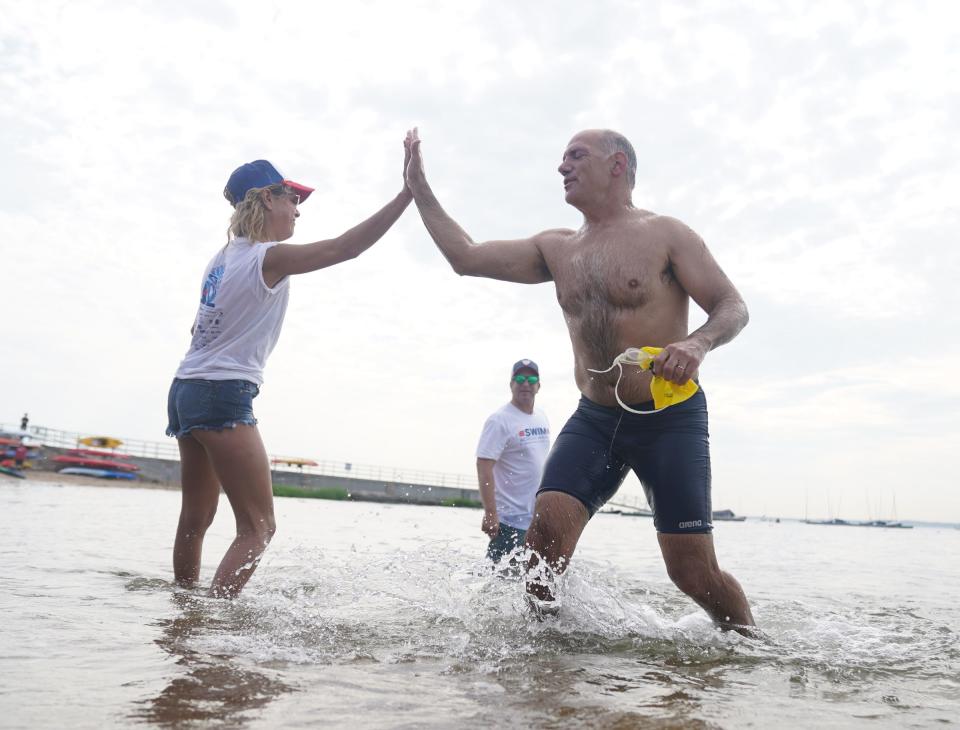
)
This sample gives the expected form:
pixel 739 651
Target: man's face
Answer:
pixel 524 391
pixel 583 168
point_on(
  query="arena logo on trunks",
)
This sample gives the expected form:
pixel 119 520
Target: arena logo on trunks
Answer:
pixel 526 433
pixel 691 523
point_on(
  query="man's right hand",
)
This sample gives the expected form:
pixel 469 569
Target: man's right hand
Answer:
pixel 490 524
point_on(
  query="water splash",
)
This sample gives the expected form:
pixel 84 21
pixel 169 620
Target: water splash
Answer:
pixel 439 604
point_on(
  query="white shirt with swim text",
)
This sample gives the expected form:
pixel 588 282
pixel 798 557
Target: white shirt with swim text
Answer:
pixel 519 443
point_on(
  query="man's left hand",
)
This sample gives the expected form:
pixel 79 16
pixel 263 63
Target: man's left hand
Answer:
pixel 679 361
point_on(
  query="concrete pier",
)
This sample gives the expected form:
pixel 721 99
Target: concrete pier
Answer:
pixel 166 472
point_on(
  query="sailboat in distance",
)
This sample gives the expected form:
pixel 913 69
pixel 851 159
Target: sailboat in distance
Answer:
pixel 894 523
pixel 831 521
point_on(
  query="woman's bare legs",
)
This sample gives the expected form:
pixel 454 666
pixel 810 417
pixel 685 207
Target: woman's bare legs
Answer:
pixel 238 461
pixel 200 492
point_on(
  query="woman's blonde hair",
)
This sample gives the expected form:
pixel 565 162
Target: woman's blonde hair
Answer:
pixel 250 216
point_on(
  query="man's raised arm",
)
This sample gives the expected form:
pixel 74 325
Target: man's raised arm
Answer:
pixel 519 260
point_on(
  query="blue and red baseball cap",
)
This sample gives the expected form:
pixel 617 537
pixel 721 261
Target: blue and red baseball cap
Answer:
pixel 258 174
pixel 524 365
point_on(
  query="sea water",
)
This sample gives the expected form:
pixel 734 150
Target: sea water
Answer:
pixel 385 616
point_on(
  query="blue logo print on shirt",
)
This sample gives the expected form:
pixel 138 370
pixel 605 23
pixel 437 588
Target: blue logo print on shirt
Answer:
pixel 210 287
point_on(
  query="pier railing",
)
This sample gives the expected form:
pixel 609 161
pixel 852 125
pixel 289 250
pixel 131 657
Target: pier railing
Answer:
pixel 328 467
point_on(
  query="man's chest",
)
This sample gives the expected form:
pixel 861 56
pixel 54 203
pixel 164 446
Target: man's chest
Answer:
pixel 626 273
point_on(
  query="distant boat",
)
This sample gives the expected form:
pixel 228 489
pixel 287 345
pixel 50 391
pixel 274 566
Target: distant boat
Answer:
pixel 10 452
pixel 81 461
pixel 99 473
pixel 720 515
pixel 886 523
pixel 636 513
pixel 726 515
pixel 895 523
pixel 834 521
pixel 102 442
pixel 98 452
pixel 858 523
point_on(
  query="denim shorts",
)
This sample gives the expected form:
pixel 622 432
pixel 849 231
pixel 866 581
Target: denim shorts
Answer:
pixel 210 405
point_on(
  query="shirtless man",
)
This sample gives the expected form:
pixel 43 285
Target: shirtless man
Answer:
pixel 624 279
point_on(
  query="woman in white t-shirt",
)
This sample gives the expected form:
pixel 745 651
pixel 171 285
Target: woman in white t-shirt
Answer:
pixel 243 299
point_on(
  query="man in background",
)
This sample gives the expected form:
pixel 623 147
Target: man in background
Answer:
pixel 510 456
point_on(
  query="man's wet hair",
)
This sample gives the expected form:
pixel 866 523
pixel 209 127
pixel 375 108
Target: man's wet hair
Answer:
pixel 616 142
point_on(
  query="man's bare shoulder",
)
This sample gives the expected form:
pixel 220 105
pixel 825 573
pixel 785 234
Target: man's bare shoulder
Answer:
pixel 673 230
pixel 553 237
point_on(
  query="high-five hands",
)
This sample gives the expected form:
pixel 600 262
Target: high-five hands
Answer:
pixel 413 163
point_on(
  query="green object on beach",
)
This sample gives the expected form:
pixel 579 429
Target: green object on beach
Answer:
pixel 286 490
pixel 460 502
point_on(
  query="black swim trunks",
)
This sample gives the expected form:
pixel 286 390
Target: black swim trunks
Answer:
pixel 669 452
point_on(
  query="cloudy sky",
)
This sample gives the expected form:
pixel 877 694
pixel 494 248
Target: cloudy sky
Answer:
pixel 813 145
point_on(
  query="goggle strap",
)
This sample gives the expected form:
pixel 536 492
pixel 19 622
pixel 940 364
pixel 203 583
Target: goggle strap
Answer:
pixel 616 389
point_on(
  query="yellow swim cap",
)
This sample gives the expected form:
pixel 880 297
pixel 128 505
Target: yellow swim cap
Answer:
pixel 663 391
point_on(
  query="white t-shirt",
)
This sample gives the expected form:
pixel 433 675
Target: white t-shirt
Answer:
pixel 239 318
pixel 519 442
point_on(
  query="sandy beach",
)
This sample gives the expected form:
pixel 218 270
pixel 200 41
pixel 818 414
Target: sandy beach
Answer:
pixel 70 480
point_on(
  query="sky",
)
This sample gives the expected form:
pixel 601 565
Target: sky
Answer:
pixel 812 145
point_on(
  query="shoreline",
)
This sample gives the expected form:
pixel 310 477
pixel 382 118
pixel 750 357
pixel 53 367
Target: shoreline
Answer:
pixel 70 480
